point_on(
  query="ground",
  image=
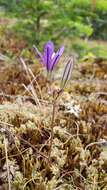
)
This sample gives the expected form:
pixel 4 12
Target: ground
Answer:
pixel 79 149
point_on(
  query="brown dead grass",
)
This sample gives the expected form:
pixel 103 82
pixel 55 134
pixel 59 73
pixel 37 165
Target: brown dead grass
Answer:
pixel 79 150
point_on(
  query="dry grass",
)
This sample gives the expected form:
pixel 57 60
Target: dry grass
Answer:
pixel 79 148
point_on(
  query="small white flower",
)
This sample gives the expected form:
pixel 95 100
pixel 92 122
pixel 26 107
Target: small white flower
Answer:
pixel 72 108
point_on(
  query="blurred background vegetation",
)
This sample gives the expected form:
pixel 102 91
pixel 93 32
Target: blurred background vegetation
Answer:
pixel 80 24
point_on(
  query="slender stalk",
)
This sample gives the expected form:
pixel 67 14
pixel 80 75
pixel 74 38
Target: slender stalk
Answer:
pixel 52 127
pixel 52 121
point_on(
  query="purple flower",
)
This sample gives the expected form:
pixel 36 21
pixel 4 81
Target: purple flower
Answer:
pixel 49 57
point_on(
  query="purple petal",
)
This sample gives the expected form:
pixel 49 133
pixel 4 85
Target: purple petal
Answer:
pixel 56 57
pixel 39 53
pixel 50 45
pixel 48 52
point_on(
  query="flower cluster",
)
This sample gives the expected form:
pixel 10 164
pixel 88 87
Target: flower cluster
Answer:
pixel 50 59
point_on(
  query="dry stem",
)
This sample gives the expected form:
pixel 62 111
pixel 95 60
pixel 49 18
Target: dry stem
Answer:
pixel 7 164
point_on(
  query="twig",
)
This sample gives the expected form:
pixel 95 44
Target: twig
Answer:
pixel 95 143
pixel 30 87
pixel 26 142
pixel 7 164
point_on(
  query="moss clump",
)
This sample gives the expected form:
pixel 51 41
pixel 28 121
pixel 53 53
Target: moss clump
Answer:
pixel 78 156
